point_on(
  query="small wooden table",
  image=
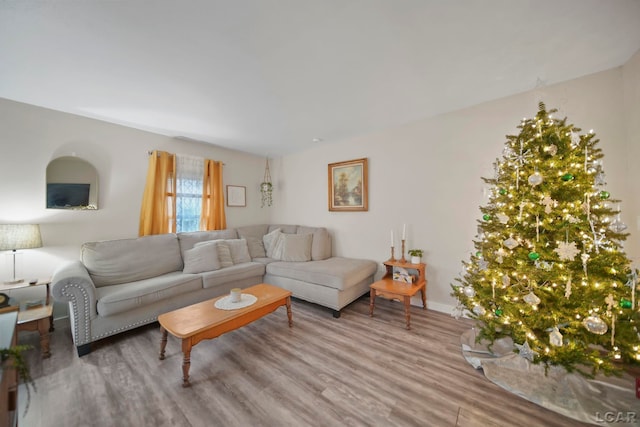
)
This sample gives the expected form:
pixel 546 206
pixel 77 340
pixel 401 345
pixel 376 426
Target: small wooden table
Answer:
pixel 37 318
pixel 203 321
pixel 391 289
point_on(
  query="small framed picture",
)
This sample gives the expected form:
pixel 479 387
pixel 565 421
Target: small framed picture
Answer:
pixel 236 196
pixel 348 187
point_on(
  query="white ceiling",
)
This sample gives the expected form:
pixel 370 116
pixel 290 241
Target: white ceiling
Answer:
pixel 268 76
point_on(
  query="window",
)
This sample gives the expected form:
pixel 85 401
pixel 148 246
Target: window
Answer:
pixel 189 175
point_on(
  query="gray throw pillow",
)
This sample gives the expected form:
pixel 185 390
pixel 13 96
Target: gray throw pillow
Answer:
pixel 201 258
pixel 224 251
pixel 239 250
pixel 296 247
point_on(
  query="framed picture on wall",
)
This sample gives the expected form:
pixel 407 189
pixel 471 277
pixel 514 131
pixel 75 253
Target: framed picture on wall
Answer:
pixel 236 196
pixel 348 186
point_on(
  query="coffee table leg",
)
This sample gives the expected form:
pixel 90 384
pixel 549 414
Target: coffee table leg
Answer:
pixel 372 301
pixel 289 314
pixel 163 342
pixel 407 312
pixel 186 361
pixel 423 291
pixel 43 329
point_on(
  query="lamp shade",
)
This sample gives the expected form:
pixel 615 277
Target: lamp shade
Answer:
pixel 19 236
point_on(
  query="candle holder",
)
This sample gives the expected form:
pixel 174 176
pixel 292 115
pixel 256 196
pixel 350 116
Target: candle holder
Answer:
pixel 403 258
pixel 392 259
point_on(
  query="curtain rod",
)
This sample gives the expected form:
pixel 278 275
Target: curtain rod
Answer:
pixel 151 152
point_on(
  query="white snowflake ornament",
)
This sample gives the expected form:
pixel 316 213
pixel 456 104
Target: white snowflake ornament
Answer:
pixel 567 251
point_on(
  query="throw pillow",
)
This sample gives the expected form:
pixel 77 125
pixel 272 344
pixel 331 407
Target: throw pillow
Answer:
pixel 201 258
pixel 239 250
pixel 269 241
pixel 224 251
pixel 296 247
pixel 253 235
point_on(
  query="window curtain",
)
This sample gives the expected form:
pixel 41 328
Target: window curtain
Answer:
pixel 157 214
pixel 213 216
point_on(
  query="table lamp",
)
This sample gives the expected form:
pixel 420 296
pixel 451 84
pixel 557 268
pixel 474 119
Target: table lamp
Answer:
pixel 19 236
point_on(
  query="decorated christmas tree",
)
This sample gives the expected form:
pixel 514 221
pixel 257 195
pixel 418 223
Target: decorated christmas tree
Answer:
pixel 549 270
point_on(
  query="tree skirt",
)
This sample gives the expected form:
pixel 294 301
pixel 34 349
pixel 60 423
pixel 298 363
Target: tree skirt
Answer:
pixel 602 400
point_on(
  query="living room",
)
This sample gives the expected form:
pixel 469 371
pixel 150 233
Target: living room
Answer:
pixel 425 173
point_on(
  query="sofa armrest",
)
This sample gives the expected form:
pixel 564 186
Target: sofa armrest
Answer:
pixel 72 283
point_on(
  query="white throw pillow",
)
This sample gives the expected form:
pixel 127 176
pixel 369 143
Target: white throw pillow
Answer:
pixel 239 250
pixel 201 258
pixel 269 241
pixel 224 251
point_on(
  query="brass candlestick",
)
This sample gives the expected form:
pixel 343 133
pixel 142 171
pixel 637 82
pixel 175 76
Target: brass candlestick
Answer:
pixel 403 258
pixel 392 259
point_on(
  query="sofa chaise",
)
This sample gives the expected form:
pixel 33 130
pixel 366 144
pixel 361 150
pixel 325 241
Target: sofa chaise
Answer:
pixel 119 285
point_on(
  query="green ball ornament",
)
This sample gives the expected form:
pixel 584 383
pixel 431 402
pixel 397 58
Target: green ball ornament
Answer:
pixel 567 177
pixel 478 254
pixel 625 303
pixel 604 195
pixel 498 312
pixel 486 217
pixel 534 256
pixel 502 191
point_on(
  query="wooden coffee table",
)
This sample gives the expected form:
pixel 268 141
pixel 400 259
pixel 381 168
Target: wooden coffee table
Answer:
pixel 203 321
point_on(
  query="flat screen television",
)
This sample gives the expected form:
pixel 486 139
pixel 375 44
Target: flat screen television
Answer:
pixel 66 196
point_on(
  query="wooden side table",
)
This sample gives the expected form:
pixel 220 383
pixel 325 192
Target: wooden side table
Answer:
pixel 39 318
pixel 394 290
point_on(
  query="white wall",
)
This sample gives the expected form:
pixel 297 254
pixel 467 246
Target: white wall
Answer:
pixel 427 174
pixel 631 102
pixel 33 136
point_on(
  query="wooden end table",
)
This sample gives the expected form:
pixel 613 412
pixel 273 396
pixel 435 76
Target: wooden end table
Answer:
pixel 394 290
pixel 37 318
pixel 203 321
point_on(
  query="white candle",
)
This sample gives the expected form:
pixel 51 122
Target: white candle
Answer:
pixel 391 238
pixel 404 231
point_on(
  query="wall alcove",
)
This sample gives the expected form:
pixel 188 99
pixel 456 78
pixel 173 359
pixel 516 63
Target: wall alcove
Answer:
pixel 72 183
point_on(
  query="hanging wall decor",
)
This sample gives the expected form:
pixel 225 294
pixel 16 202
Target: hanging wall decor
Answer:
pixel 266 187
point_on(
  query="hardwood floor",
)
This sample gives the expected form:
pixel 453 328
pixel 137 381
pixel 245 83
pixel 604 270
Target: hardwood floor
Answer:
pixel 352 371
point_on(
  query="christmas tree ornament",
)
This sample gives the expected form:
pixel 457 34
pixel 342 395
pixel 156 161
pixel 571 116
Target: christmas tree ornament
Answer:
pixel 469 291
pixel 625 303
pixel 486 217
pixel 498 312
pixel 610 303
pixel 567 177
pixel 633 279
pixel 506 280
pixel 483 264
pixel 604 195
pixel 531 299
pixel 511 243
pixel 585 258
pixel 479 254
pixel 555 337
pixel 502 192
pixel 567 288
pixel 567 251
pixel 548 203
pixel 575 139
pixel 617 226
pixel 600 179
pixel 535 179
pixel 502 218
pixel 533 256
pixel 525 351
pixel 595 324
pixel 479 310
pixel 552 149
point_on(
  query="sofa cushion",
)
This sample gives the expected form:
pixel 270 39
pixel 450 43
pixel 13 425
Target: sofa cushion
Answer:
pixel 201 258
pixel 336 272
pixel 270 241
pixel 211 279
pixel 128 260
pixel 223 250
pixel 253 235
pixel 321 244
pixel 295 247
pixel 190 238
pixel 118 298
pixel 289 229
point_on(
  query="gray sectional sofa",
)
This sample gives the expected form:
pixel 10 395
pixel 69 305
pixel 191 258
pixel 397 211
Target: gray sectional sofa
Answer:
pixel 119 285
